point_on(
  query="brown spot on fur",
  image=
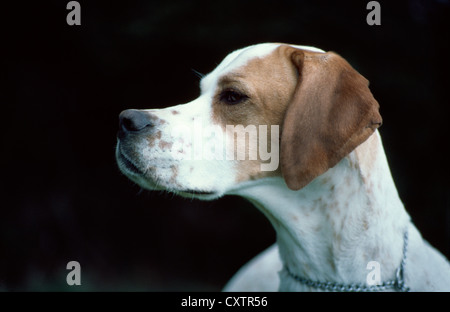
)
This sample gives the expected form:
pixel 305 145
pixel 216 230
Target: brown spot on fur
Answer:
pixel 173 178
pixel 365 225
pixel 348 180
pixel 165 145
pixel 175 112
pixel 337 237
pixel 331 262
pixel 152 138
pixel 366 155
pixel 325 180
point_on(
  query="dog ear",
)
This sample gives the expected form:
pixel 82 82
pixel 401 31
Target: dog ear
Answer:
pixel 331 112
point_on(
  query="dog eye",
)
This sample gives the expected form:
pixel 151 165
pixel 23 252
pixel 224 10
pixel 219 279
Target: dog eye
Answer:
pixel 232 97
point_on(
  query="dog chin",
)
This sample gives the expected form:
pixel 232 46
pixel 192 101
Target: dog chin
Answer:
pixel 202 195
pixel 135 174
pixel 185 193
pixel 151 185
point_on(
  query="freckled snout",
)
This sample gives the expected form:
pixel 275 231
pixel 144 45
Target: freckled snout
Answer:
pixel 135 121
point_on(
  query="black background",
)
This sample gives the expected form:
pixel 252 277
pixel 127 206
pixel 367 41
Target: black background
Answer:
pixel 62 196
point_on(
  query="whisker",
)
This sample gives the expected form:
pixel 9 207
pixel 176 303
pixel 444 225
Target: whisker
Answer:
pixel 198 74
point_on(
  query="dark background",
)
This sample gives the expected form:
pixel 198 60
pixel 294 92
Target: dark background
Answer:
pixel 62 196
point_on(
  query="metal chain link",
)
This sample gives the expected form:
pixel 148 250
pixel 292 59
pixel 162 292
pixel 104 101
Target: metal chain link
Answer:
pixel 397 284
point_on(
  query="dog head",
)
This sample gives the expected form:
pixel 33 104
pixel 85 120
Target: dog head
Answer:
pixel 265 110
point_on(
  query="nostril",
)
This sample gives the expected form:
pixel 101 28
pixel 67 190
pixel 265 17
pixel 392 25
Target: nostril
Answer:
pixel 134 120
pixel 128 124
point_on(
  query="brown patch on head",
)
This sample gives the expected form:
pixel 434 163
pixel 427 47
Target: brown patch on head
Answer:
pixel 268 84
pixel 175 112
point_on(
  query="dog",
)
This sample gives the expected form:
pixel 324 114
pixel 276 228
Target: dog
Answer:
pixel 320 175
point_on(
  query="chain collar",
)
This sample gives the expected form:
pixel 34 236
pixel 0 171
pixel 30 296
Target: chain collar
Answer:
pixel 397 284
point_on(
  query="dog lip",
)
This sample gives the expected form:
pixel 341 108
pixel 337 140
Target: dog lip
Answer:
pixel 194 192
pixel 128 164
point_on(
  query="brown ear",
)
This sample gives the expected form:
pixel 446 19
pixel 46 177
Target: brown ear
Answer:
pixel 331 112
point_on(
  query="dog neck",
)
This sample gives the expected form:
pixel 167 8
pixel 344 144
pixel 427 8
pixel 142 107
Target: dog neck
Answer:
pixel 332 228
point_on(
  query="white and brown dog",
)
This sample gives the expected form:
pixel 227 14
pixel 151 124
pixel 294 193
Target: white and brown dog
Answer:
pixel 320 174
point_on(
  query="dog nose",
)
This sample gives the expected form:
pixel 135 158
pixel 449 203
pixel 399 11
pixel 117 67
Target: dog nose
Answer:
pixel 133 120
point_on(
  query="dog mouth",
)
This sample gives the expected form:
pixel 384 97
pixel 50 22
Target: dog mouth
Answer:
pixel 133 172
pixel 127 163
pixel 194 192
pixel 202 195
